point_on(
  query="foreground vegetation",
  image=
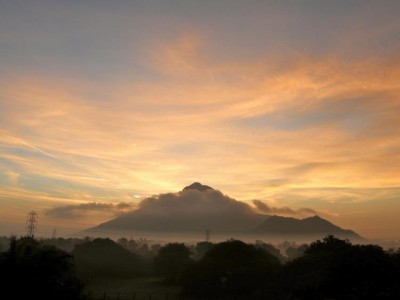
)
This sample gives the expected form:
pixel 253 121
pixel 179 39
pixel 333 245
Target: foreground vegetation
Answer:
pixel 103 269
pixel 29 269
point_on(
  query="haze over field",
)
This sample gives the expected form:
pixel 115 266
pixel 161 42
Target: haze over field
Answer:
pixel 289 107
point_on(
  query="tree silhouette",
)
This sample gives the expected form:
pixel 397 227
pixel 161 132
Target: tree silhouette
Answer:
pixel 336 269
pixel 32 270
pixel 104 258
pixel 201 249
pixel 295 252
pixel 270 249
pixel 171 260
pixel 230 268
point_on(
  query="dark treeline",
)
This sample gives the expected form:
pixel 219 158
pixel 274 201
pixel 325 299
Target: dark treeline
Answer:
pixel 330 268
pixel 29 269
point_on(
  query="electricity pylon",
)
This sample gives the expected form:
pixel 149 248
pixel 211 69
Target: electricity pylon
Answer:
pixel 31 222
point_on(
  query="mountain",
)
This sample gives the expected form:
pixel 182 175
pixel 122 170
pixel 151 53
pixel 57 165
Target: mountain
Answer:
pixel 197 208
pixel 194 209
pixel 197 186
pixel 312 226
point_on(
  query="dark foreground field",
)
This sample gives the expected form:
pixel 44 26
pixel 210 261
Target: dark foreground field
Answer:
pixel 96 269
pixel 132 289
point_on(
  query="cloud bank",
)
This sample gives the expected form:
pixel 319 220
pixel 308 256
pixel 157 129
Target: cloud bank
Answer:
pixel 188 210
pixel 84 209
pixel 283 211
pixel 193 202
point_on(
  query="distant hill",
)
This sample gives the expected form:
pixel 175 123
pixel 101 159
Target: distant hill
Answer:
pixel 312 226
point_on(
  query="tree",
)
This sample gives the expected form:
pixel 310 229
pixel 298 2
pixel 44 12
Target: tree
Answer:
pixel 336 269
pixel 293 252
pixel 201 249
pixel 104 258
pixel 32 270
pixel 231 268
pixel 270 249
pixel 171 260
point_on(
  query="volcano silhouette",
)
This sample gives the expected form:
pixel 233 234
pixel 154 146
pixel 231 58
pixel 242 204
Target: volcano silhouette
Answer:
pixel 199 207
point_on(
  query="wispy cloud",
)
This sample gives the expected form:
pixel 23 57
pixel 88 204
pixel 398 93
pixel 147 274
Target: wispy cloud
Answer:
pixel 285 211
pixel 20 141
pixel 180 56
pixel 259 124
pixel 179 95
pixel 84 209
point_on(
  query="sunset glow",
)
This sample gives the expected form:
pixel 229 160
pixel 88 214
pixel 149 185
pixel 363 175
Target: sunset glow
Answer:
pixel 292 103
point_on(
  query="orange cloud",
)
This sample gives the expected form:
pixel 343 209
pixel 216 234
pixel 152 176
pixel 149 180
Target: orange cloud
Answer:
pixel 312 123
pixel 180 56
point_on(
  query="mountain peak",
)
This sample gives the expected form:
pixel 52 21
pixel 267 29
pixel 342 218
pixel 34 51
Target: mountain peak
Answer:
pixel 316 217
pixel 198 186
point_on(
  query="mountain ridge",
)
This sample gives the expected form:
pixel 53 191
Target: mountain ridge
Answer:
pixel 196 208
pixel 308 226
pixel 199 207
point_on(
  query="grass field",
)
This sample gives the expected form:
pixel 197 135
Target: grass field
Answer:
pixel 148 288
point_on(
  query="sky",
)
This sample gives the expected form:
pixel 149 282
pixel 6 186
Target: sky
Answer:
pixel 289 105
